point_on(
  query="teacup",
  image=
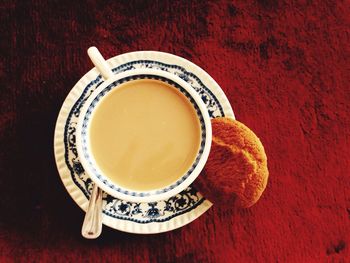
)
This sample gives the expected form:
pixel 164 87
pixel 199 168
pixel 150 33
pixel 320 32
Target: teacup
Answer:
pixel 143 135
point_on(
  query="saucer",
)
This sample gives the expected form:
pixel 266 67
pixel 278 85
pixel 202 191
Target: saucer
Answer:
pixel 141 218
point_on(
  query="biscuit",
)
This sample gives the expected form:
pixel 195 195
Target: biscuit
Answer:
pixel 236 166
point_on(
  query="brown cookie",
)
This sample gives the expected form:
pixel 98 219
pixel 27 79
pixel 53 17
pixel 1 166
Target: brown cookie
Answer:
pixel 237 164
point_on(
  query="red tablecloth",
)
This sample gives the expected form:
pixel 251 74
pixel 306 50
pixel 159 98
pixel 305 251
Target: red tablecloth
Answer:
pixel 284 66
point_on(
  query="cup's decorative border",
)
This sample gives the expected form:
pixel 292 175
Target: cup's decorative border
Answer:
pixel 85 144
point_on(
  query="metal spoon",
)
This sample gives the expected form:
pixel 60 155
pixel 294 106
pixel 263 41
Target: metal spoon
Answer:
pixel 92 225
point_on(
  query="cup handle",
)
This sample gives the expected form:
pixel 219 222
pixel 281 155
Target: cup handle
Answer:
pixel 99 62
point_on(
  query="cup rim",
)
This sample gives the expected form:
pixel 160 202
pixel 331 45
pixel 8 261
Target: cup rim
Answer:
pixel 123 193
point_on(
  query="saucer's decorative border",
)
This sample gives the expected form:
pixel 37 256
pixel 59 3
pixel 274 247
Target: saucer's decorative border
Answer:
pixel 143 218
pixel 84 133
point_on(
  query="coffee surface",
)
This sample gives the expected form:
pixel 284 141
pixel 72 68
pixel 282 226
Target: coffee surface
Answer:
pixel 144 135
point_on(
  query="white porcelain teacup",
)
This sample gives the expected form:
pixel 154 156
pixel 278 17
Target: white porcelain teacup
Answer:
pixel 143 135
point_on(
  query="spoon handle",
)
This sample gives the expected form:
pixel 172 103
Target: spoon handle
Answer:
pixel 100 63
pixel 92 226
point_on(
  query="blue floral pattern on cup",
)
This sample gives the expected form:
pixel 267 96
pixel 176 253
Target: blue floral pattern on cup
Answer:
pixel 87 118
pixel 143 213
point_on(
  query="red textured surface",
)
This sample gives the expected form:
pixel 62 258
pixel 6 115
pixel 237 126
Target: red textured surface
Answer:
pixel 284 66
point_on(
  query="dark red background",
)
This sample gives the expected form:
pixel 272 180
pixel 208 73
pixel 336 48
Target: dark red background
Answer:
pixel 284 66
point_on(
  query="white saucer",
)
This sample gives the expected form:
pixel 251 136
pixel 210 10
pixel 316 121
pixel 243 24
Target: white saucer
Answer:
pixel 141 218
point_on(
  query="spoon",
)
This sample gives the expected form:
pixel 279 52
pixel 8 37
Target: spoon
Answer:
pixel 92 225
